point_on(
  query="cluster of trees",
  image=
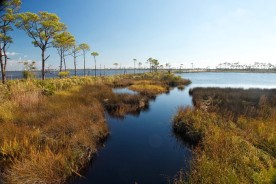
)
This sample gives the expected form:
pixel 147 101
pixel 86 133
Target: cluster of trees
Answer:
pixel 238 66
pixel 154 64
pixel 46 31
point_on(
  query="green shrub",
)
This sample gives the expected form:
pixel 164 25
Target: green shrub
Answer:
pixel 63 74
pixel 28 75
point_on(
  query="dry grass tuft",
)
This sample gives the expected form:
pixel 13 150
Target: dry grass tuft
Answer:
pixel 149 89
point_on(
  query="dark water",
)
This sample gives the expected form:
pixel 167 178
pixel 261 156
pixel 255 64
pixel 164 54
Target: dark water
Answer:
pixel 54 74
pixel 143 148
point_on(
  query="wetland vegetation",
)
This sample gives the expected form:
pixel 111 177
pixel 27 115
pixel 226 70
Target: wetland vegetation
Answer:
pixel 233 135
pixel 50 129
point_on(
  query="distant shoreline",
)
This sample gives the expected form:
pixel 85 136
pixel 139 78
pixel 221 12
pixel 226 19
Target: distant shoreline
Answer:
pixel 179 70
pixel 226 71
pixel 108 72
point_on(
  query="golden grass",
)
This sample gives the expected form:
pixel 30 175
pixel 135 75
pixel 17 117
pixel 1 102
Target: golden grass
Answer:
pixel 149 89
pixel 50 129
pixel 52 137
pixel 228 150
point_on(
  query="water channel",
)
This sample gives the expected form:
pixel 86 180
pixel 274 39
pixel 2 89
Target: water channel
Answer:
pixel 143 148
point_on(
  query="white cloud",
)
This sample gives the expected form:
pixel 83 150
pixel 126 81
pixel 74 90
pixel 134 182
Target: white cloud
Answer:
pixel 12 53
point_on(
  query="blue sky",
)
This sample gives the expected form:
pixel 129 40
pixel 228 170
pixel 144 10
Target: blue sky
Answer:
pixel 205 32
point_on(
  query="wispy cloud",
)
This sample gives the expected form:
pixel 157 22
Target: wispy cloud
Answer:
pixel 12 53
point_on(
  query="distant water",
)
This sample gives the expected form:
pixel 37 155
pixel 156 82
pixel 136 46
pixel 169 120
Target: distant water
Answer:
pixel 233 80
pixel 89 72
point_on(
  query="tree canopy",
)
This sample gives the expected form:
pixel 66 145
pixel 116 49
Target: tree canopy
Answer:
pixel 7 10
pixel 63 42
pixel 84 47
pixel 42 28
pixel 95 54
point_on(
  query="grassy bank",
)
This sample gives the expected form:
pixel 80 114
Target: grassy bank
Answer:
pixel 233 132
pixel 50 129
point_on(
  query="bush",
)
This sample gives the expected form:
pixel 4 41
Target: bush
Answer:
pixel 28 75
pixel 64 74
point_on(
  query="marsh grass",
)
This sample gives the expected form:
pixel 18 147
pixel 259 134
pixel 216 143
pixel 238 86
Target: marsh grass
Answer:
pixel 51 138
pixel 230 145
pixel 149 89
pixel 236 102
pixel 50 129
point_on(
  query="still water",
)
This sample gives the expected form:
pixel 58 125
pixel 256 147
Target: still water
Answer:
pixel 143 148
pixel 233 80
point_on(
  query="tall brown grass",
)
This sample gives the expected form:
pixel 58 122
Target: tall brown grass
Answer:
pixel 50 138
pixel 227 149
pixel 50 129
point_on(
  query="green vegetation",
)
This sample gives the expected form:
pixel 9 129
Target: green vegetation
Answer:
pixel 154 64
pixel 29 68
pixel 148 89
pixel 63 42
pixel 84 47
pixel 75 53
pixel 233 131
pixel 63 74
pixel 42 28
pixel 8 9
pixel 152 84
pixel 94 54
pixel 49 129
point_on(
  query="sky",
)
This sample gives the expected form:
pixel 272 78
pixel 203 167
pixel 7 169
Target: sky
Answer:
pixel 202 32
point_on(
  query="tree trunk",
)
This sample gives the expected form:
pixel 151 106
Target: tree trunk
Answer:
pixel 5 65
pixel 75 64
pixel 3 72
pixel 100 70
pixel 43 65
pixel 83 63
pixel 95 66
pixel 61 60
pixel 134 67
pixel 63 56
